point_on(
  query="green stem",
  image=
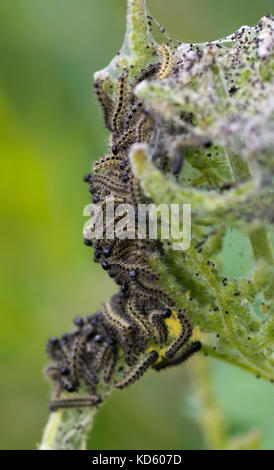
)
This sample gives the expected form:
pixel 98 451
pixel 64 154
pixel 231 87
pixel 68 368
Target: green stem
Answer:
pixel 68 429
pixel 210 418
pixel 138 35
pixel 257 235
pixel 239 168
pixel 138 47
pixel 260 243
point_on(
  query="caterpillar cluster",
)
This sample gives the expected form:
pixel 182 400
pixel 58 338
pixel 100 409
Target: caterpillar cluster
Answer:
pixel 137 328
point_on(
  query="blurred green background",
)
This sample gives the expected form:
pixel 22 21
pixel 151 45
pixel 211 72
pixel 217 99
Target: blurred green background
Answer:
pixel 51 131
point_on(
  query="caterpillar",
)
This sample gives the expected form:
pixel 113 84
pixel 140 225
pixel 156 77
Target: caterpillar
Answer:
pixel 137 329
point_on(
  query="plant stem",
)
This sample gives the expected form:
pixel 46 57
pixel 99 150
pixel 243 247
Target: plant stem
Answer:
pixel 257 234
pixel 260 243
pixel 68 429
pixel 211 418
pixel 138 47
pixel 239 168
pixel 138 35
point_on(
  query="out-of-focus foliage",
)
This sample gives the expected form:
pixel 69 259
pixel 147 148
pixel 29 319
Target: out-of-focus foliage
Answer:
pixel 51 132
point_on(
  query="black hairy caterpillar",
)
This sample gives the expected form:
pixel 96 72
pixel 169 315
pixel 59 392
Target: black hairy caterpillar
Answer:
pixel 136 329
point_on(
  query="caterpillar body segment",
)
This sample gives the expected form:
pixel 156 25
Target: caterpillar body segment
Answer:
pixel 184 336
pixel 138 370
pixel 167 62
pixel 120 104
pixel 160 328
pixel 181 357
pixel 105 102
pixel 116 320
pixel 133 115
pixel 111 360
pixel 107 183
pixel 77 352
pixel 102 356
pixel 148 72
pixel 89 401
pixel 105 162
pixel 126 138
pixel 135 313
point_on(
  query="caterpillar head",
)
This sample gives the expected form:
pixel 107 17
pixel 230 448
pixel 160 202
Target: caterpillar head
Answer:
pixel 62 370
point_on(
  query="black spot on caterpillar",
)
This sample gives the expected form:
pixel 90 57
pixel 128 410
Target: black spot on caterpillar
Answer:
pixel 136 325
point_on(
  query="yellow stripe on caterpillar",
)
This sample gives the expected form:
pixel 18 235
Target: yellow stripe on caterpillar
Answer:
pixel 167 63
